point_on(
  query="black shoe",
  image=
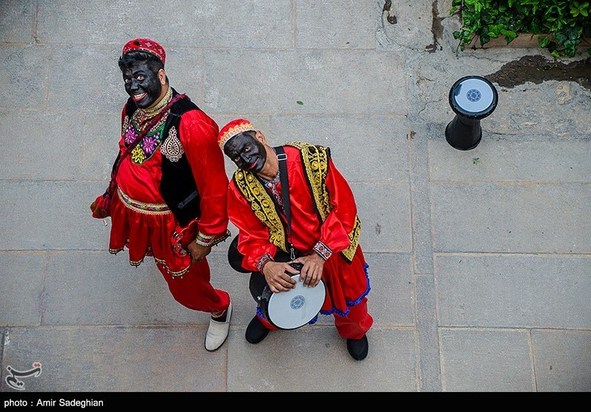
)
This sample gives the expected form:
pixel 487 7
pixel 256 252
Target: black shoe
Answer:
pixel 256 331
pixel 358 348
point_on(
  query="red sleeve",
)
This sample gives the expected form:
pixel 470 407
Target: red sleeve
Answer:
pixel 198 135
pixel 254 235
pixel 335 230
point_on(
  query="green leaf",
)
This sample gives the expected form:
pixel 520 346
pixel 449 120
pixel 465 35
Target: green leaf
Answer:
pixel 509 35
pixel 562 24
pixel 543 41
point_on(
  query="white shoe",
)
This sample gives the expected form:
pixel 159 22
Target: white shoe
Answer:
pixel 217 332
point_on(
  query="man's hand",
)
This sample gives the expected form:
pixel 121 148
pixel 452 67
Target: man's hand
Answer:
pixel 277 278
pixel 100 207
pixel 198 252
pixel 311 272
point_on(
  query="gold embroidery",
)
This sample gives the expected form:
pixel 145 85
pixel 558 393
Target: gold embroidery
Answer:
pixel 173 274
pixel 137 154
pixel 349 253
pixel 262 205
pixel 141 207
pixel 140 121
pixel 172 148
pixel 315 160
pixel 125 125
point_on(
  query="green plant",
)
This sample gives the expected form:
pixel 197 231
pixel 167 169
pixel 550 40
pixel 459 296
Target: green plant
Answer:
pixel 561 25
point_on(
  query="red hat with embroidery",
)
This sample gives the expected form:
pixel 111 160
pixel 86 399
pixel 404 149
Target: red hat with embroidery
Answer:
pixel 145 45
pixel 232 129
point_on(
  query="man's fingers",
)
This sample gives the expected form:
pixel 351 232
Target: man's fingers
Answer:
pixel 282 283
pixel 291 270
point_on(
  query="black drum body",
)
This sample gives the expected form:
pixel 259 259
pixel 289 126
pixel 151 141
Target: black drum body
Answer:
pixel 290 309
pixel 472 98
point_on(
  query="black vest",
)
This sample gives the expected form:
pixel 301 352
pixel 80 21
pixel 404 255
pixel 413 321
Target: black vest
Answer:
pixel 177 186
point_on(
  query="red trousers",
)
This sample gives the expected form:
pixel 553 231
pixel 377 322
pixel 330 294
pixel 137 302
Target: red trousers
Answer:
pixel 353 326
pixel 194 290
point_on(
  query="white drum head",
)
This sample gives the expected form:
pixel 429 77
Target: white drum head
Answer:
pixel 473 96
pixel 296 307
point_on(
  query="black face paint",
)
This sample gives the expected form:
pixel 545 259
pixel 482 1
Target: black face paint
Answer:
pixel 246 152
pixel 142 84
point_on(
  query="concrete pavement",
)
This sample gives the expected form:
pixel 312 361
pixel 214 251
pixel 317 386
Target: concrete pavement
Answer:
pixel 480 260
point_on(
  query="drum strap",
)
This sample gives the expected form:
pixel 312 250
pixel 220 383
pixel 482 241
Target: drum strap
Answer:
pixel 285 195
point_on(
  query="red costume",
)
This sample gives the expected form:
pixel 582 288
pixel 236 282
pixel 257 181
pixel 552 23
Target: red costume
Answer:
pixel 323 212
pixel 144 223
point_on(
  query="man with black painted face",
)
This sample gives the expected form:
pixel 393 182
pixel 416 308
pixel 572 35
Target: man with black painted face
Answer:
pixel 248 153
pixel 167 197
pixel 324 229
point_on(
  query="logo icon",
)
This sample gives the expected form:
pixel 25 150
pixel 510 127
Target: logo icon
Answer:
pixel 13 380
